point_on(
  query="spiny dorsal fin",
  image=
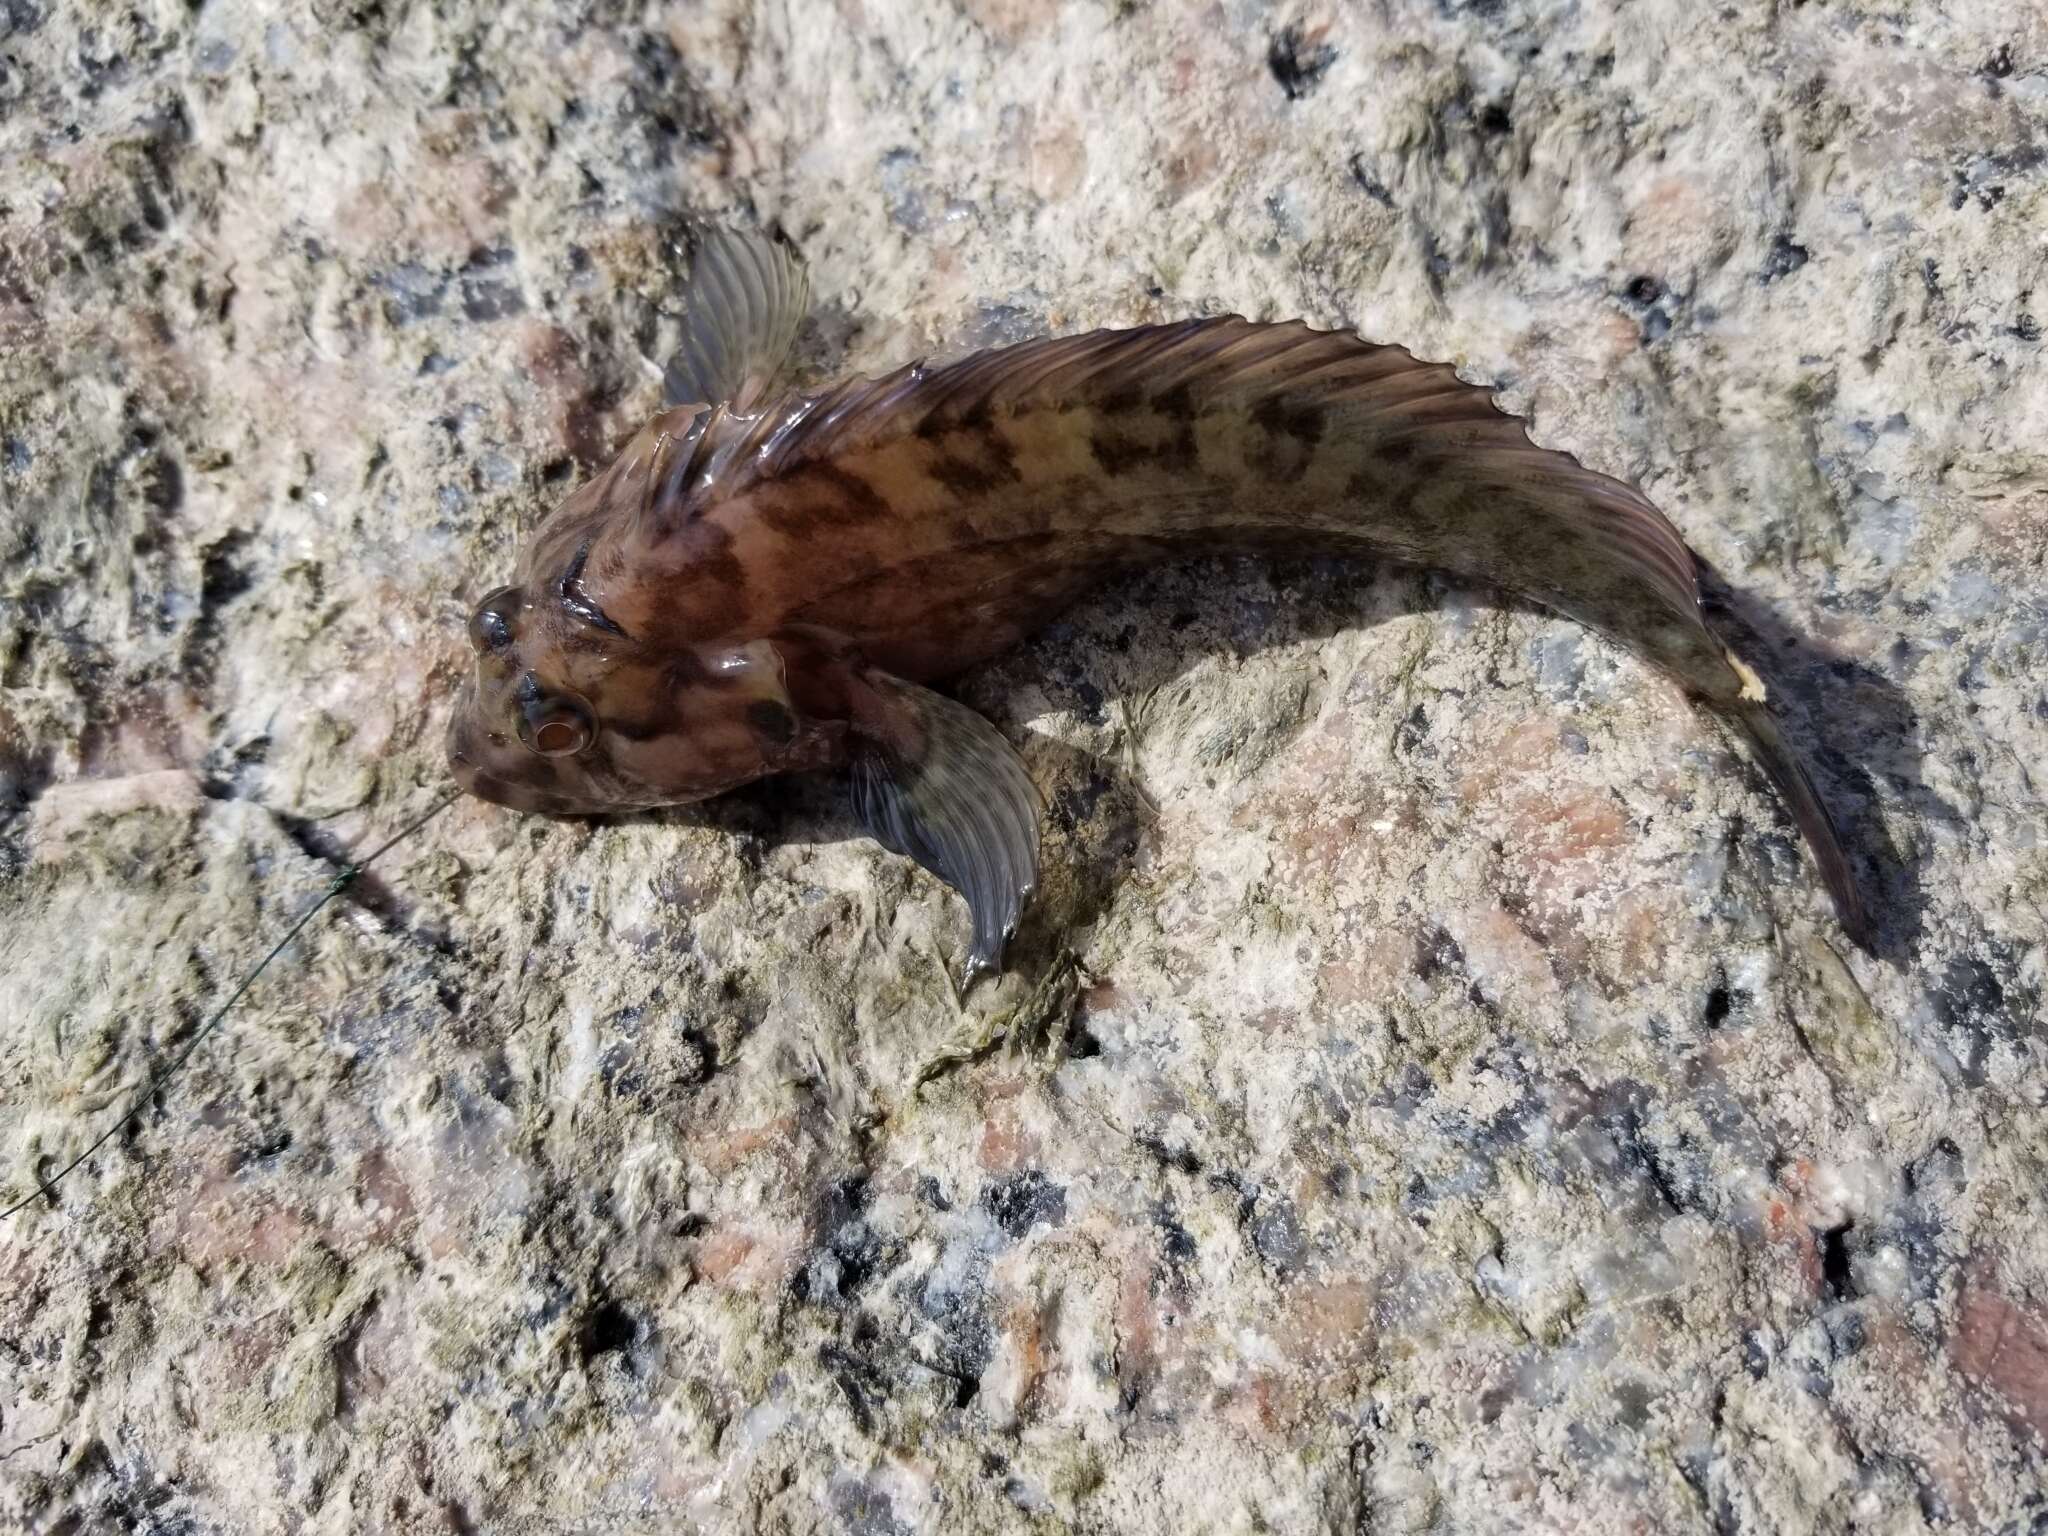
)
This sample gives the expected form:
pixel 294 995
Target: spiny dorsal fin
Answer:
pixel 1213 361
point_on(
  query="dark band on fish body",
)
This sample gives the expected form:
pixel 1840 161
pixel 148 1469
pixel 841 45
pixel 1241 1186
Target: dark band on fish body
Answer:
pixel 1304 423
pixel 964 475
pixel 709 596
pixel 1284 441
pixel 820 497
pixel 1366 486
pixel 859 499
pixel 1119 452
pixel 996 449
pixel 1122 401
pixel 1176 404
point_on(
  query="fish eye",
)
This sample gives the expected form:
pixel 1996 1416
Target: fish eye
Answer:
pixel 554 724
pixel 490 626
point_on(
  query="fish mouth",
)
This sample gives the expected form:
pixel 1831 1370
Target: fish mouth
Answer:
pixel 463 759
pixel 487 766
pixel 468 765
pixel 493 767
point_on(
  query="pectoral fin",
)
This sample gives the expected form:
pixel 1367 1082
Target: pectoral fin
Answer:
pixel 934 781
pixel 746 299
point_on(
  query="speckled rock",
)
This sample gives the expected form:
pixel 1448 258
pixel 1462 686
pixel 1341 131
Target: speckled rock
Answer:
pixel 1431 1094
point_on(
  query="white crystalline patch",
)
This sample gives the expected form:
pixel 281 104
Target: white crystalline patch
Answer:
pixel 1752 685
pixel 762 1423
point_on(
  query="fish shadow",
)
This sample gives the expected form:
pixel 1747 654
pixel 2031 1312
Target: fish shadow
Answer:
pixel 1855 727
pixel 1861 738
pixel 1091 827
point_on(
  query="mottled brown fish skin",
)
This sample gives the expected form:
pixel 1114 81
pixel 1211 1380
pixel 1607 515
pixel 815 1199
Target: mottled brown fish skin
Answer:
pixel 934 549
pixel 922 523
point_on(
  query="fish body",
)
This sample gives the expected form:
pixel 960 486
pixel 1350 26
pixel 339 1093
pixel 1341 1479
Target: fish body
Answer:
pixel 762 583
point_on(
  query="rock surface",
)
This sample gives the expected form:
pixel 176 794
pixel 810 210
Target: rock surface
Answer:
pixel 1464 1115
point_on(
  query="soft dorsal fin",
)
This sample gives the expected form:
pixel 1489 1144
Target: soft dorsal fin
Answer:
pixel 1394 401
pixel 746 295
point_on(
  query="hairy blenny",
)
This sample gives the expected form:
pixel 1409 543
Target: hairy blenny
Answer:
pixel 765 583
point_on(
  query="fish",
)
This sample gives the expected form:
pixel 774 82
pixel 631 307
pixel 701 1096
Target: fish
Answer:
pixel 769 581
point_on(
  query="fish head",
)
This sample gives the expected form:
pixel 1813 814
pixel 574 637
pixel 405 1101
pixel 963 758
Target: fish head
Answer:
pixel 567 713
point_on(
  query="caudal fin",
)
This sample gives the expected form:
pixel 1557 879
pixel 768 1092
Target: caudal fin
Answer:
pixel 1766 739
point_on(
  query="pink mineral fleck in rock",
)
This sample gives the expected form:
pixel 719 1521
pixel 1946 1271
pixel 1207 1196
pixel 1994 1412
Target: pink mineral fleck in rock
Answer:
pixel 2002 1345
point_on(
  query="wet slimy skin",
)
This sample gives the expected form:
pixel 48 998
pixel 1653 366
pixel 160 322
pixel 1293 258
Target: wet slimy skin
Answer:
pixel 764 584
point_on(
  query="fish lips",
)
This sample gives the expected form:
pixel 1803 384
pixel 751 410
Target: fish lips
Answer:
pixel 485 765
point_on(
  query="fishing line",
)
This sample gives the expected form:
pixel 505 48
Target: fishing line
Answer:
pixel 341 882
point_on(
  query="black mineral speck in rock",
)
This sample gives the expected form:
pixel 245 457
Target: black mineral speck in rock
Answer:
pixel 1719 1004
pixel 1834 1261
pixel 1299 60
pixel 609 1329
pixel 1787 255
pixel 1024 1199
pixel 1276 1234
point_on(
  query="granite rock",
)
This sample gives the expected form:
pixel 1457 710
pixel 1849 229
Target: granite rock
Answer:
pixel 1431 1093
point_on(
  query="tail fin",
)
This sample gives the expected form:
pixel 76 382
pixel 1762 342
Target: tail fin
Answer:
pixel 1766 738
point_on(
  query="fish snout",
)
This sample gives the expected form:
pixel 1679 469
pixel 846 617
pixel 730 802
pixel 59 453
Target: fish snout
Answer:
pixel 493 765
pixel 465 760
pixel 477 759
